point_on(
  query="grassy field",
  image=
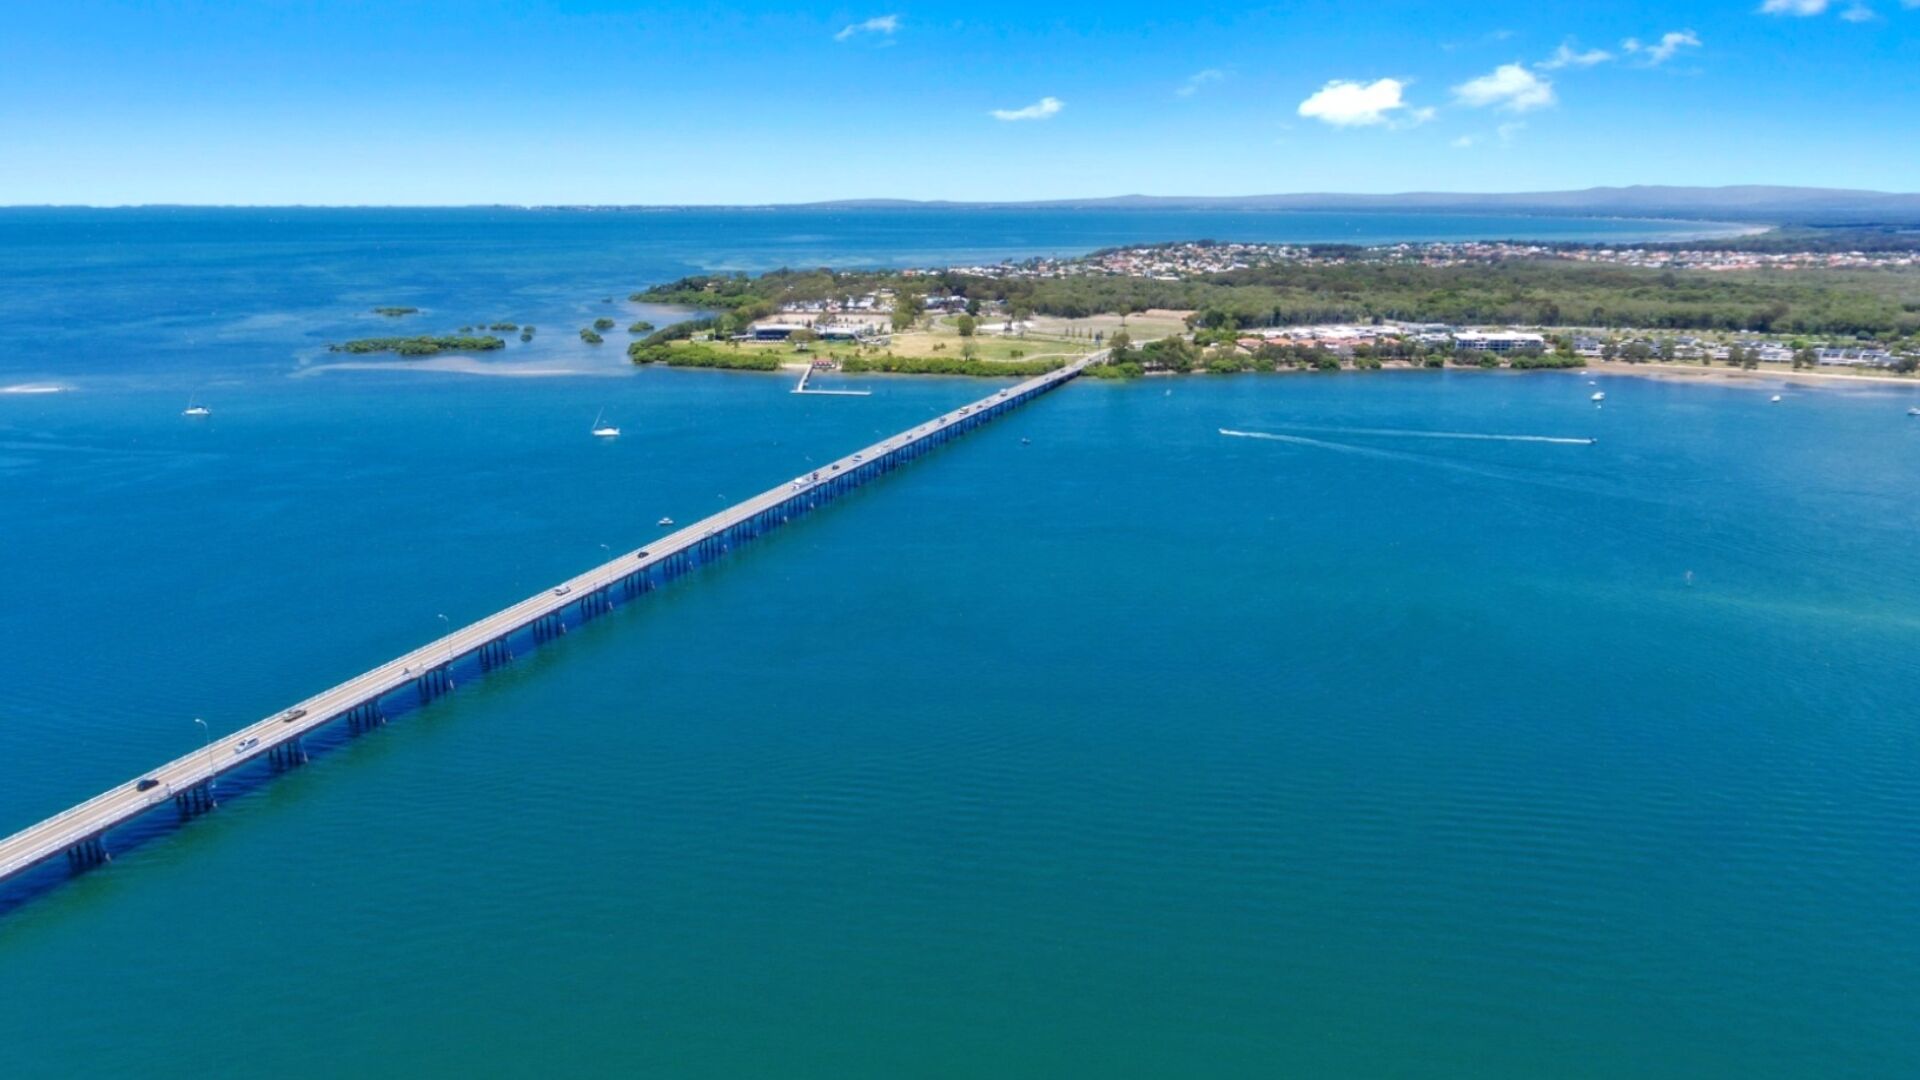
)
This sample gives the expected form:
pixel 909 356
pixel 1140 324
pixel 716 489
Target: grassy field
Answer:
pixel 1144 326
pixel 939 338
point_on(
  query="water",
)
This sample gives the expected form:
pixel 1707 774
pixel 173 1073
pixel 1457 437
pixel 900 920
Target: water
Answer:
pixel 1132 750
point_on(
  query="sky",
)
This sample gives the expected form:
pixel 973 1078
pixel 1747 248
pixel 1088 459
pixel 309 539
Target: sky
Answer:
pixel 672 102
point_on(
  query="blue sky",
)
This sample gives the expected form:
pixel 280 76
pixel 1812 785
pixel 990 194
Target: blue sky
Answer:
pixel 438 103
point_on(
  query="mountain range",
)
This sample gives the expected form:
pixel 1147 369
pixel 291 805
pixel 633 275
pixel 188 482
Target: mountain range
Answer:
pixel 1799 205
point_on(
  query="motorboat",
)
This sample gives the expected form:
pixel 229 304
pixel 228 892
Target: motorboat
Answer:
pixel 1598 395
pixel 665 522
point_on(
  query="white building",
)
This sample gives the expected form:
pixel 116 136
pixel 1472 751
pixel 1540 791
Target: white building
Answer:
pixel 1499 341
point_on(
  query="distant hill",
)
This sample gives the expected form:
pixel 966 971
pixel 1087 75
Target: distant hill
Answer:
pixel 1798 205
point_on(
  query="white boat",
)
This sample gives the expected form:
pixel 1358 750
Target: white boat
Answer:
pixel 1915 411
pixel 1776 397
pixel 1598 395
pixel 195 410
pixel 665 522
pixel 604 431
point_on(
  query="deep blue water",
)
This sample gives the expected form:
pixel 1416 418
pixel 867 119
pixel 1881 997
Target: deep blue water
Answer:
pixel 1131 750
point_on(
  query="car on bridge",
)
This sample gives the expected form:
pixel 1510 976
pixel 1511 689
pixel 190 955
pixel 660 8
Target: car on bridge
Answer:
pixel 146 784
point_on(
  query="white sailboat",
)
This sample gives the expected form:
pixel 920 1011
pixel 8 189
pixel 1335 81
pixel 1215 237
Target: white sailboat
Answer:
pixel 194 409
pixel 604 431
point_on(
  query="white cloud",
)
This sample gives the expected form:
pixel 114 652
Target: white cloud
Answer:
pixel 1565 56
pixel 1199 79
pixel 1464 142
pixel 1350 103
pixel 1510 86
pixel 1509 130
pixel 1039 110
pixel 884 25
pixel 1670 43
pixel 1857 11
pixel 1419 116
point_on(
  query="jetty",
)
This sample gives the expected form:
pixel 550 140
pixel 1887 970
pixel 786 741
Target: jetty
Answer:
pixel 807 374
pixel 86 833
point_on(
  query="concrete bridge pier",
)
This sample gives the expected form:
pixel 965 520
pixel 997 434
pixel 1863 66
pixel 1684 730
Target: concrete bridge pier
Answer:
pixel 87 854
pixel 495 654
pixel 194 801
pixel 365 717
pixel 287 755
pixel 434 682
pixel 595 604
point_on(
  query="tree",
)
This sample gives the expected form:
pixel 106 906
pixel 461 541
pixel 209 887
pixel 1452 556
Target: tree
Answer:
pixel 969 350
pixel 906 309
pixel 966 324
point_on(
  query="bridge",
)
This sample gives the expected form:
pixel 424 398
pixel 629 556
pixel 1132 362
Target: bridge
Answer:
pixel 81 833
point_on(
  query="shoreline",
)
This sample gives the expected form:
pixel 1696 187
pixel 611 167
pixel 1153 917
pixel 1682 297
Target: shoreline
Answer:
pixel 1686 372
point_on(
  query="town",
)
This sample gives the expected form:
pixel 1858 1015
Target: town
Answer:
pixel 1175 262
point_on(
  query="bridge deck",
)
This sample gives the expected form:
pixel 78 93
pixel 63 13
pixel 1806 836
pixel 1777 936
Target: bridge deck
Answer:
pixel 428 669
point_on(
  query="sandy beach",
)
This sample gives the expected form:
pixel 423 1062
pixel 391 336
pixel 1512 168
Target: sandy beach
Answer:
pixel 1687 372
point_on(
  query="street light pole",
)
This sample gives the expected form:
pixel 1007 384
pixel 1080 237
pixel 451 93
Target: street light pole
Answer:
pixel 211 782
pixel 449 625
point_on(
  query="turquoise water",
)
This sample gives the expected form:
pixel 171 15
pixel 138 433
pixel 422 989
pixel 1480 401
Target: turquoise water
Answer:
pixel 1130 750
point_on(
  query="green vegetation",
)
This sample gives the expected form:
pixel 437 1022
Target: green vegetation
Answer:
pixel 641 327
pixel 936 365
pixel 701 356
pixel 587 335
pixel 1546 292
pixel 1541 293
pixel 1527 361
pixel 603 323
pixel 526 333
pixel 396 312
pixel 423 345
pixel 504 326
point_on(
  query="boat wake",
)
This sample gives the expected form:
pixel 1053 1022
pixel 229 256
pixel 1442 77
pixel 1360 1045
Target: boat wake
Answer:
pixel 1401 433
pixel 1557 476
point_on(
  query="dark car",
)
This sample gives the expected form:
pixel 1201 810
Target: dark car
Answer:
pixel 147 785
